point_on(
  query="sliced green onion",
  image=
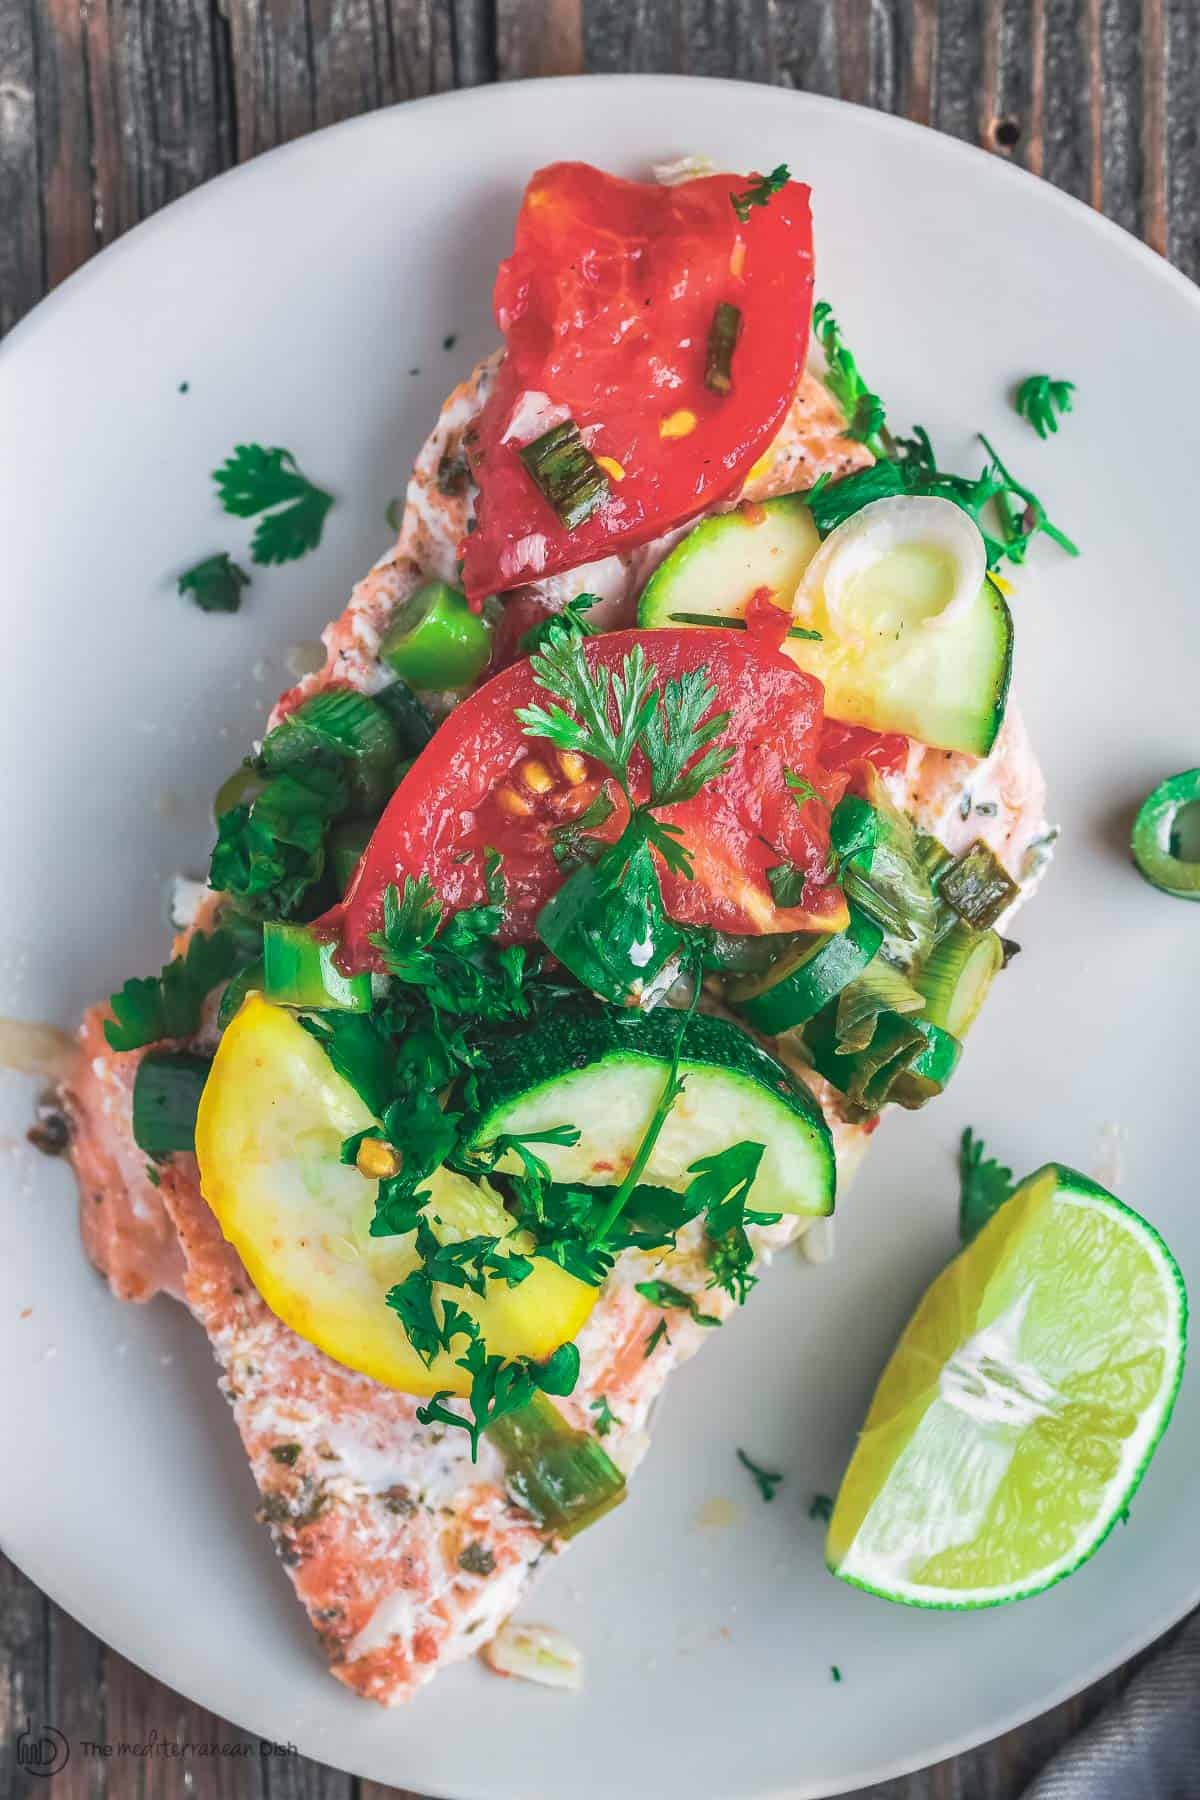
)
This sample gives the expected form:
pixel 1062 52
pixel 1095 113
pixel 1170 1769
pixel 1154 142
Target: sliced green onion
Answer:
pixel 908 1061
pixel 881 988
pixel 346 845
pixel 723 335
pixel 1161 848
pixel 734 622
pixel 299 970
pixel 804 980
pixel 414 727
pixel 238 789
pixel 246 981
pixel 977 887
pixel 956 975
pixel 563 1477
pixel 166 1096
pixel 435 641
pixel 876 903
pixel 566 473
pixel 341 725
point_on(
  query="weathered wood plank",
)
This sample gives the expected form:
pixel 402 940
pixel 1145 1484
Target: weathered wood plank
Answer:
pixel 22 246
pixel 637 38
pixel 1182 130
pixel 804 45
pixel 539 37
pixel 300 64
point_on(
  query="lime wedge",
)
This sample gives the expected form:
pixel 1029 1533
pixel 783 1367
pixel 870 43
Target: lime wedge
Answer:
pixel 1021 1406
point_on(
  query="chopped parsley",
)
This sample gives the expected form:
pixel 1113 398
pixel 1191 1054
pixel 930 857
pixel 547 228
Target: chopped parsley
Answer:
pixel 984 1186
pixel 861 407
pixel 766 1479
pixel 168 1005
pixel 1042 401
pixel 287 1454
pixel 908 465
pixel 573 616
pixel 787 881
pixel 606 1418
pixel 655 1339
pixel 821 1508
pixel 835 1671
pixel 665 1294
pixel 255 480
pixel 215 584
pixel 759 192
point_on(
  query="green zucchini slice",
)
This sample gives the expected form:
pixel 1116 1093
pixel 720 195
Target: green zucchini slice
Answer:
pixel 1157 849
pixel 604 1073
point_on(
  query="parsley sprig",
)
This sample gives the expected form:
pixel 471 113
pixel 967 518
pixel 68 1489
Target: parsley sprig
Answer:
pixel 623 722
pixel 256 480
pixel 759 192
pixel 168 1005
pixel 766 1480
pixel 984 1185
pixel 1041 401
pixel 215 584
pixel 1009 514
pixel 862 407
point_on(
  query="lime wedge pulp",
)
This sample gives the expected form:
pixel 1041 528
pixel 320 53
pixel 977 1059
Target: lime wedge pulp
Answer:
pixel 1021 1406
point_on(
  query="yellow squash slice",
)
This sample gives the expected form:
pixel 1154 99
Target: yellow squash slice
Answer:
pixel 268 1135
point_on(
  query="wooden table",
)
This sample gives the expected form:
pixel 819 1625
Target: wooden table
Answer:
pixel 110 108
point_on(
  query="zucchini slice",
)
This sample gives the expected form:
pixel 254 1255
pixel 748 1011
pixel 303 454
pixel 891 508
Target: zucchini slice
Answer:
pixel 724 560
pixel 945 684
pixel 802 982
pixel 604 1074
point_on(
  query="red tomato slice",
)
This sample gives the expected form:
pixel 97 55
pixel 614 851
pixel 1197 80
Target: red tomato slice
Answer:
pixel 606 305
pixel 483 783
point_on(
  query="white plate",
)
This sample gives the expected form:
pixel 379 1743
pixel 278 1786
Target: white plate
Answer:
pixel 295 296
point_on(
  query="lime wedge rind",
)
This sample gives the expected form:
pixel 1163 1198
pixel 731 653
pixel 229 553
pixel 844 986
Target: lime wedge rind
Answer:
pixel 1071 1189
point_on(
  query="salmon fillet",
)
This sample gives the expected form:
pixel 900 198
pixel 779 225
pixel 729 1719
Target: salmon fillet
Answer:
pixel 406 1556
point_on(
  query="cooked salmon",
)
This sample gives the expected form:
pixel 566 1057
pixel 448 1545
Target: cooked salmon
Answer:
pixel 405 1555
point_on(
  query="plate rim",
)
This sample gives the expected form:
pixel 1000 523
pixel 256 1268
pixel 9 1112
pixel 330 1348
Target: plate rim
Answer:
pixel 499 94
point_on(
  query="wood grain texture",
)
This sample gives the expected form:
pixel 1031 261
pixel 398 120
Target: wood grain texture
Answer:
pixel 110 108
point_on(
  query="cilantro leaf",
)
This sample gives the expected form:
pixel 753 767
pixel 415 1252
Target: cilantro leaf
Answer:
pixel 255 480
pixel 664 1294
pixel 215 584
pixel 766 1480
pixel 1041 401
pixel 759 192
pixel 169 1005
pixel 984 1186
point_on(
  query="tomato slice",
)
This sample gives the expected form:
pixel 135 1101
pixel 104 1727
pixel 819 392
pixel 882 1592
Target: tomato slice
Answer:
pixel 482 783
pixel 606 305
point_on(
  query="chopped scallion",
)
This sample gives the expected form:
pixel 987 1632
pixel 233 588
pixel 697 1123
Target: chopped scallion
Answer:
pixel 731 622
pixel 723 335
pixel 166 1097
pixel 566 473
